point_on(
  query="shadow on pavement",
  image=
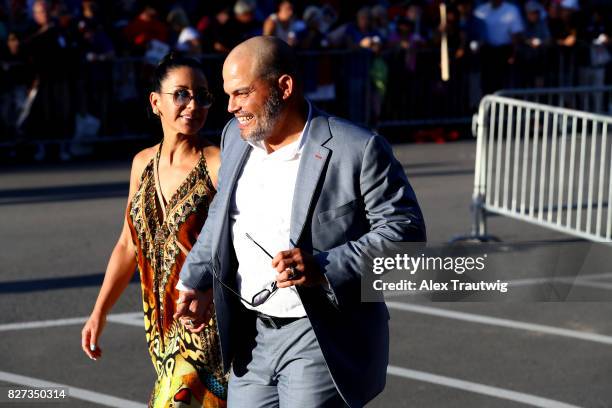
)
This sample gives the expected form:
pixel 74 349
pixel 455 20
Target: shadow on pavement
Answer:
pixel 36 285
pixel 63 193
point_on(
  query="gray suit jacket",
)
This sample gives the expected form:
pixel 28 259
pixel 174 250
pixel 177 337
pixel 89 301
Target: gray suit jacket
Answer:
pixel 351 195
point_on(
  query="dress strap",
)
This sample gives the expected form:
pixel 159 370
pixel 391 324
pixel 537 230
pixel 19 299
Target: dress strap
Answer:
pixel 181 247
pixel 207 179
pixel 158 190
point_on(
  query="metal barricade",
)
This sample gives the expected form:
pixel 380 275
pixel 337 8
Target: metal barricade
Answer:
pixel 545 165
pixel 595 99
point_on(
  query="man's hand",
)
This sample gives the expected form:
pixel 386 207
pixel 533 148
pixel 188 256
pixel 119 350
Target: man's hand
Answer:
pixel 296 267
pixel 194 308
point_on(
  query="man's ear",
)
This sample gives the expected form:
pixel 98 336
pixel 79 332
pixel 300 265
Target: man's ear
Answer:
pixel 287 85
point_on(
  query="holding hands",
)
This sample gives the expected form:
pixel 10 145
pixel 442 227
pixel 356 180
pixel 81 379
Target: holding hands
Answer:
pixel 294 267
pixel 194 308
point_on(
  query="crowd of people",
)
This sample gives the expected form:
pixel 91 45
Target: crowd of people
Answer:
pixel 99 30
pixel 45 44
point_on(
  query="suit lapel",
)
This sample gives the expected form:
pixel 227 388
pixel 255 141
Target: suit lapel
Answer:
pixel 239 159
pixel 312 164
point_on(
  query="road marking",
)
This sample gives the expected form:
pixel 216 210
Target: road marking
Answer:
pixel 597 277
pixel 123 318
pixel 500 393
pixel 495 321
pixel 587 280
pixel 578 280
pixel 41 324
pixel 131 319
pixel 74 392
pixel 594 284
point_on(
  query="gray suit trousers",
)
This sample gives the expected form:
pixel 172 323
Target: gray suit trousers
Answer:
pixel 286 369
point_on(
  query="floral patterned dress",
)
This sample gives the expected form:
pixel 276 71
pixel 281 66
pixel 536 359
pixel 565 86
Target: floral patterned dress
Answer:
pixel 188 366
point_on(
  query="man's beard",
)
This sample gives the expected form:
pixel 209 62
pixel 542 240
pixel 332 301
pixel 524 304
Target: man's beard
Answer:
pixel 267 121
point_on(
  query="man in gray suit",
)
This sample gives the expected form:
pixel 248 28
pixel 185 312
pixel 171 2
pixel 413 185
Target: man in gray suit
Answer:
pixel 302 197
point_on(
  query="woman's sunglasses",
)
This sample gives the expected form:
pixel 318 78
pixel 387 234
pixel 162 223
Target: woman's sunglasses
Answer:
pixel 182 97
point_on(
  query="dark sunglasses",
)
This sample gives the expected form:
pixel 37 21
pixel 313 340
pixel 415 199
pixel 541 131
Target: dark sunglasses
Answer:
pixel 182 97
pixel 260 297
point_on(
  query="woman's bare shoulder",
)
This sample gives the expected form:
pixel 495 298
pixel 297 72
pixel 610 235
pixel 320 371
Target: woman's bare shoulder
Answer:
pixel 212 154
pixel 142 158
pixel 211 151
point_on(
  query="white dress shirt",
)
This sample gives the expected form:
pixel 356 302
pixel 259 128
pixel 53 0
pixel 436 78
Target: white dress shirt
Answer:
pixel 261 206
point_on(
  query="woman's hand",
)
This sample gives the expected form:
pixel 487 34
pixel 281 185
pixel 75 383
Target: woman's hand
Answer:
pixel 91 333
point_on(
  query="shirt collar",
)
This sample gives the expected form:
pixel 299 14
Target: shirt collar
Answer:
pixel 289 151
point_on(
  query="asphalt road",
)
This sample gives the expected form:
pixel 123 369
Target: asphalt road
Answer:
pixel 58 224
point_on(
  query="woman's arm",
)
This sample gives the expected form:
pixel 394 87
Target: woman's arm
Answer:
pixel 119 272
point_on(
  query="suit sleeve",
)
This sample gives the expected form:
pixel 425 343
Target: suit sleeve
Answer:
pixel 393 215
pixel 197 270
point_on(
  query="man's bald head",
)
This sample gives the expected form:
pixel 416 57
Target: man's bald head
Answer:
pixel 269 57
